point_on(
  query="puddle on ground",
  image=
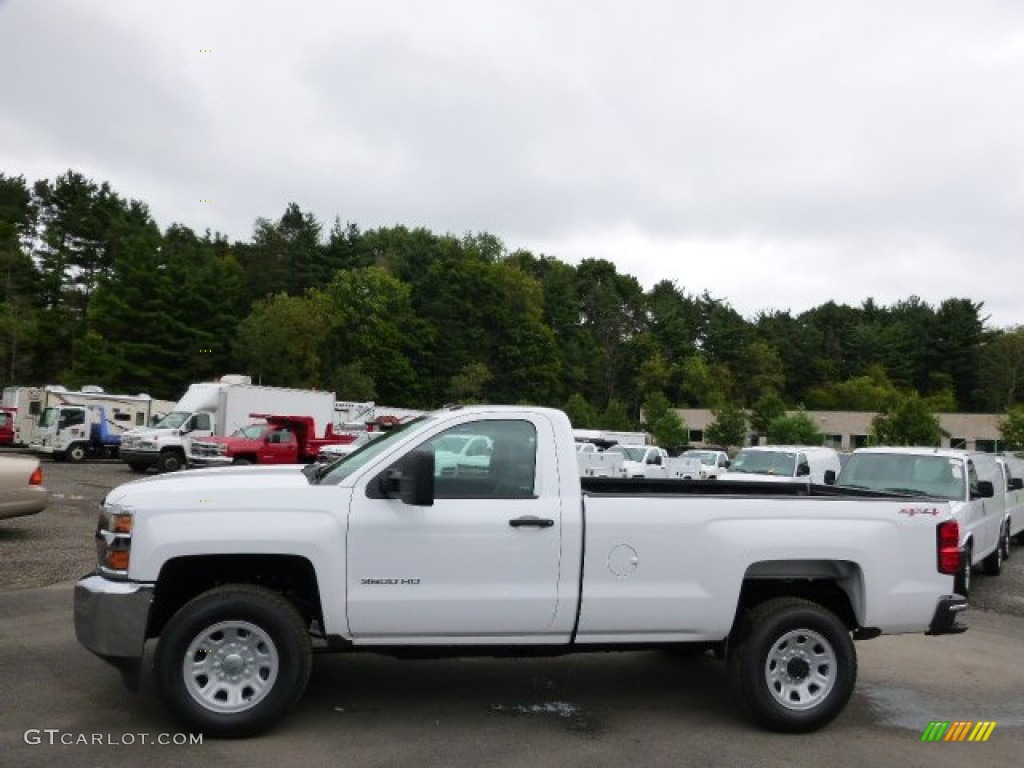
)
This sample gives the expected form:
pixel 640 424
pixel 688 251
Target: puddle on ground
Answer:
pixel 906 708
pixel 576 719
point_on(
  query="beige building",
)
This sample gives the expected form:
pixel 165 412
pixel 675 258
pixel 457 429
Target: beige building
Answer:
pixel 846 430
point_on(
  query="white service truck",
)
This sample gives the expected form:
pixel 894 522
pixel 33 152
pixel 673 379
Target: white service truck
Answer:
pixel 216 408
pixel 239 572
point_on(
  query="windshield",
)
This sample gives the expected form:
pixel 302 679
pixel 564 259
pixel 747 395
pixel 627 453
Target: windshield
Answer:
pixel 346 465
pixel 48 417
pixel 765 463
pixel 629 452
pixel 252 432
pixel 706 457
pixel 172 420
pixel 941 476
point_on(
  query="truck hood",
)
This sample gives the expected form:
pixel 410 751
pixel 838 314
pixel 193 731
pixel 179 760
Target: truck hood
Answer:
pixel 197 488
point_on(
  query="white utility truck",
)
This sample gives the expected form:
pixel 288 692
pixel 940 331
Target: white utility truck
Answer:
pixel 216 408
pixel 240 572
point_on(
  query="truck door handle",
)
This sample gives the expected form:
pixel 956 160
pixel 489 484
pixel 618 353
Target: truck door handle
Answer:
pixel 529 521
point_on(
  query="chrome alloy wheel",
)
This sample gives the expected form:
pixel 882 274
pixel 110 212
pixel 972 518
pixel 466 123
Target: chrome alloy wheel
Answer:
pixel 800 670
pixel 230 666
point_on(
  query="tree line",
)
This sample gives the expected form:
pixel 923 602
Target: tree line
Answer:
pixel 95 292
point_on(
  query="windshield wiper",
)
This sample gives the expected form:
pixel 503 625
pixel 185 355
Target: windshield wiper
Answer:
pixel 913 491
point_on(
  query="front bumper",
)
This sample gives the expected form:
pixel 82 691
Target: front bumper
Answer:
pixel 946 612
pixel 138 456
pixel 210 461
pixel 110 621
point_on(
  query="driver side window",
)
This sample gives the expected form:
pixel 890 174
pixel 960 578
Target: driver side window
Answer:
pixel 494 459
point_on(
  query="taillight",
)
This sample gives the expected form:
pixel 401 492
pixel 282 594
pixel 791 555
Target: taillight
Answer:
pixel 36 478
pixel 950 555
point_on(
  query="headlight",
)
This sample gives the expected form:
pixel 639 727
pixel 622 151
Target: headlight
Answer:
pixel 114 540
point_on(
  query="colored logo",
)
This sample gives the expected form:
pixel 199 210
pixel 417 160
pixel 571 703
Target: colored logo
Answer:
pixel 958 730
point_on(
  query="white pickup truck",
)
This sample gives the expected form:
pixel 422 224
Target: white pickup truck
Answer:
pixel 240 571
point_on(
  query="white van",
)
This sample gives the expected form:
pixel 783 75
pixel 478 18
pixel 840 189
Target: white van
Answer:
pixel 974 483
pixel 784 463
pixel 1014 469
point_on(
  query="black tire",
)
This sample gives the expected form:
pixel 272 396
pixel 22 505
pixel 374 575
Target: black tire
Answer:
pixel 962 582
pixel 242 461
pixel 170 461
pixel 1005 541
pixel 257 635
pixel 137 467
pixel 76 453
pixel 992 565
pixel 792 665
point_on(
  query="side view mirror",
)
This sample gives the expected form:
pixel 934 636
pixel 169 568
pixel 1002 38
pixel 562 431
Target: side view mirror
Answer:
pixel 803 471
pixel 830 477
pixel 411 479
pixel 985 490
pixel 1016 483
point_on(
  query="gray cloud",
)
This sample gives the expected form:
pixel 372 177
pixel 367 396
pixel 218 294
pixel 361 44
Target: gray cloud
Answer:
pixel 778 154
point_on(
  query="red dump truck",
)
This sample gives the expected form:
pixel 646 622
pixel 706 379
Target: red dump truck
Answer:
pixel 276 440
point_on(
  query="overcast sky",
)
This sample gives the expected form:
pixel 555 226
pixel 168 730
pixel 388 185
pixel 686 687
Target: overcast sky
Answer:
pixel 777 154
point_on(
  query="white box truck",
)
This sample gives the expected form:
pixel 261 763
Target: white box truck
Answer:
pixel 216 409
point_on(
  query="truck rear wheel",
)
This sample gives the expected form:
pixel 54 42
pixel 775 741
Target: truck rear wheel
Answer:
pixel 993 564
pixel 170 461
pixel 233 661
pixel 962 582
pixel 792 665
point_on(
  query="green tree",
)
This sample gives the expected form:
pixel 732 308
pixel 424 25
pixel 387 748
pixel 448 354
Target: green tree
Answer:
pixel 870 392
pixel 796 428
pixel 1001 384
pixel 729 427
pixel 581 413
pixel 768 407
pixel 284 256
pixel 369 319
pixel 1011 429
pixel 282 341
pixel 469 385
pixel 908 421
pixel 616 417
pixel 662 421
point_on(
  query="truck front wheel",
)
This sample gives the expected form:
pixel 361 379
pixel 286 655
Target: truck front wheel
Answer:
pixel 233 660
pixel 792 665
pixel 170 461
pixel 76 453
